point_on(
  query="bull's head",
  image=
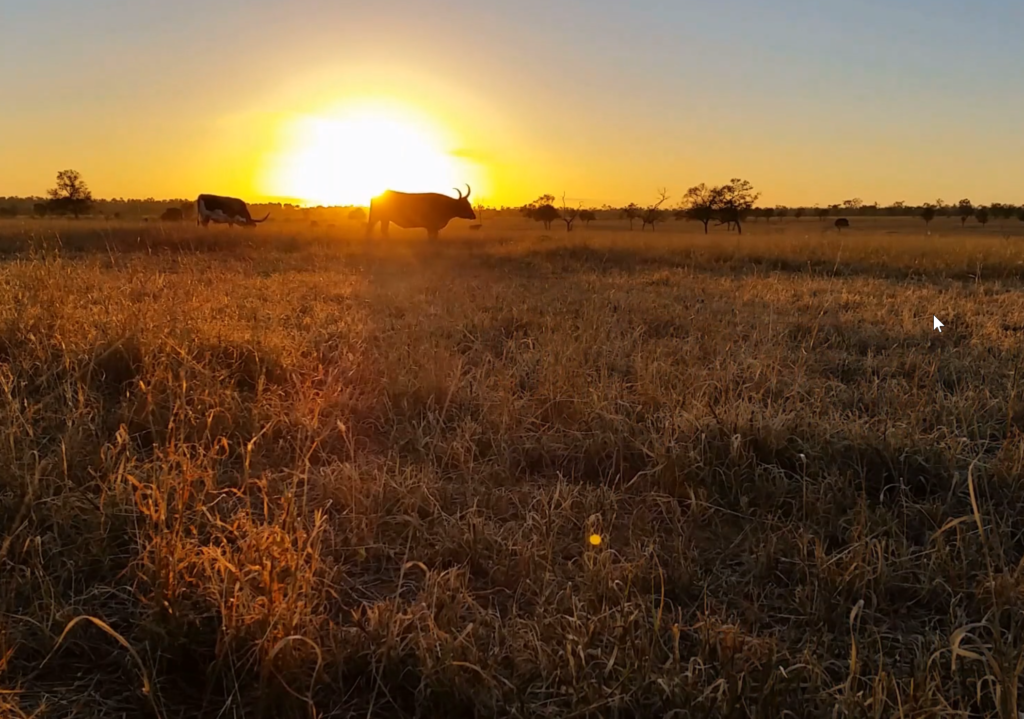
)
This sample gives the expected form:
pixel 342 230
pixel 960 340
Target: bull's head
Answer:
pixel 464 210
pixel 253 223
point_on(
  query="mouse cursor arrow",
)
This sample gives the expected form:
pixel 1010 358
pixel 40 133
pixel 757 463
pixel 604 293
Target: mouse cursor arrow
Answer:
pixel 936 324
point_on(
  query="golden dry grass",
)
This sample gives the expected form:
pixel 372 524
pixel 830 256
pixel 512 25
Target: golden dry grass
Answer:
pixel 286 473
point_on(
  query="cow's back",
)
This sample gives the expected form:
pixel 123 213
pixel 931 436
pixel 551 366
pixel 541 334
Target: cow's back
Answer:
pixel 227 205
pixel 411 209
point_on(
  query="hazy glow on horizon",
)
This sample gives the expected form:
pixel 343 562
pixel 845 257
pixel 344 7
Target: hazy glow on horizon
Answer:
pixel 812 101
pixel 348 155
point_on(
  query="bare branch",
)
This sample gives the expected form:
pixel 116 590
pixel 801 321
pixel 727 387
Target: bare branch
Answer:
pixel 654 214
pixel 569 214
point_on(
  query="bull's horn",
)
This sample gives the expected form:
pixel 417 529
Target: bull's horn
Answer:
pixel 459 191
pixel 468 190
pixel 256 222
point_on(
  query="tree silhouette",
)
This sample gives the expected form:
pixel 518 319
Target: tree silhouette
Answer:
pixel 546 214
pixel 631 212
pixel 734 201
pixel 1001 211
pixel 542 210
pixel 654 214
pixel 587 216
pixel 700 204
pixel 981 215
pixel 927 214
pixel 781 211
pixel 798 213
pixel 1020 214
pixel 71 194
pixel 966 210
pixel 822 213
pixel 768 213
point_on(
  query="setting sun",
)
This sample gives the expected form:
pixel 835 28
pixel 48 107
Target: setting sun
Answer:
pixel 349 156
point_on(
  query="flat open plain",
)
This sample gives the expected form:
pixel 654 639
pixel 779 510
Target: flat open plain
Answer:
pixel 290 473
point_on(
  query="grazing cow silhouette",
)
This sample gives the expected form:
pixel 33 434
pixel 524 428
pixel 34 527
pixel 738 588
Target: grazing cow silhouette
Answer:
pixel 224 210
pixel 841 223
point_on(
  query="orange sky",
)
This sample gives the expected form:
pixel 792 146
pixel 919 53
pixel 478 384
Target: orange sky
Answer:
pixel 606 103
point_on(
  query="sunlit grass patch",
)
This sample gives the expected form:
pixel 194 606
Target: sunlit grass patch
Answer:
pixel 507 475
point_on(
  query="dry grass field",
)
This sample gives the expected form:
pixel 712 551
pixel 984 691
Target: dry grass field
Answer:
pixel 288 473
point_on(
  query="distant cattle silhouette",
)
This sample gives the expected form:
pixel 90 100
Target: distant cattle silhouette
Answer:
pixel 841 223
pixel 172 214
pixel 314 223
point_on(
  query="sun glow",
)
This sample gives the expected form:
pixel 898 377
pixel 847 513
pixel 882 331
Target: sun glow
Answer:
pixel 347 157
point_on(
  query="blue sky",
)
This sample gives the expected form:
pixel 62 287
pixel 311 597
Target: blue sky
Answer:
pixel 811 101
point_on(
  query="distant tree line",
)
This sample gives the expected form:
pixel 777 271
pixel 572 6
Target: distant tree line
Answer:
pixel 730 204
pixel 963 210
pixel 70 197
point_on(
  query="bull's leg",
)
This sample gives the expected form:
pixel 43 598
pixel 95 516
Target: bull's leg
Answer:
pixel 384 223
pixel 372 219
